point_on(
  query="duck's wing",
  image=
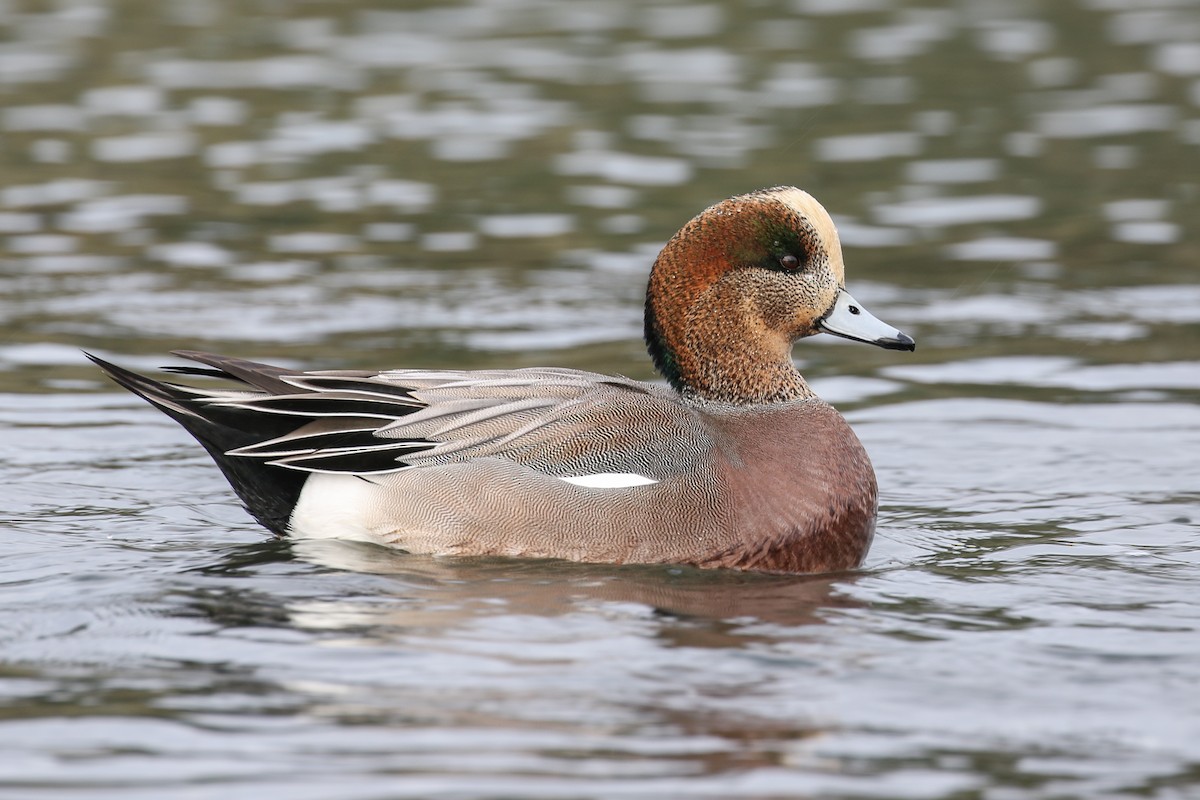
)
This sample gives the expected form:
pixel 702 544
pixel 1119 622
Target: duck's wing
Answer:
pixel 565 423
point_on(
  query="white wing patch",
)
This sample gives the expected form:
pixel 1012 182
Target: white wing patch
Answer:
pixel 610 480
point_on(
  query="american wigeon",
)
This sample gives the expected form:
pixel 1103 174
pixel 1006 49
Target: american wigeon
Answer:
pixel 735 464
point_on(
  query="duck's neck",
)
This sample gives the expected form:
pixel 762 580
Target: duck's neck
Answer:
pixel 721 355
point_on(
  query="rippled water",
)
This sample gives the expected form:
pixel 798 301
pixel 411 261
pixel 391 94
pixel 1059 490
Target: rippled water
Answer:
pixel 485 184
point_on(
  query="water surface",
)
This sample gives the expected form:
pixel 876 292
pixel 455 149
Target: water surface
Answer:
pixel 480 184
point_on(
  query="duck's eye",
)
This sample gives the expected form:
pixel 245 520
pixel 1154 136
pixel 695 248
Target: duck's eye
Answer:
pixel 789 262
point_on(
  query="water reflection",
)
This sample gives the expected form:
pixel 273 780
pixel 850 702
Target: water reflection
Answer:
pixel 458 591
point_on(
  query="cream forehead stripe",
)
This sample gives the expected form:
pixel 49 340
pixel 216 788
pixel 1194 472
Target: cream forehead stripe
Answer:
pixel 807 205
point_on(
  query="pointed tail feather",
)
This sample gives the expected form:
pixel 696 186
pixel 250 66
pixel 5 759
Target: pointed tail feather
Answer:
pixel 268 492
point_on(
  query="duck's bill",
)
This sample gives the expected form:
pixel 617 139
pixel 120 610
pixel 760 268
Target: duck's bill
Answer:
pixel 850 320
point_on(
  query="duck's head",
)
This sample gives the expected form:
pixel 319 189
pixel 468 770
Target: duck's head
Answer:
pixel 742 281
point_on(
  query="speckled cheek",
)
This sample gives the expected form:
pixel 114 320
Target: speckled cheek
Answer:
pixel 772 296
pixel 813 298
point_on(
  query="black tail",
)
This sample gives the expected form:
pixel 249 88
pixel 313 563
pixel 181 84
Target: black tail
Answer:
pixel 268 492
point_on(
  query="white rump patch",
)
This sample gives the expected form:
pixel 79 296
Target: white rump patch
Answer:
pixel 610 480
pixel 335 506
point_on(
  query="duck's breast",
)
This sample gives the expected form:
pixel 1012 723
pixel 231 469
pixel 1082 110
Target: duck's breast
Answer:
pixel 800 486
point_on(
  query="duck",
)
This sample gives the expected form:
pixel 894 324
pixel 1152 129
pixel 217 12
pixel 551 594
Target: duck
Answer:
pixel 733 463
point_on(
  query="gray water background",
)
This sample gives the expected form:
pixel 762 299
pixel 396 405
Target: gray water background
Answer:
pixel 484 184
